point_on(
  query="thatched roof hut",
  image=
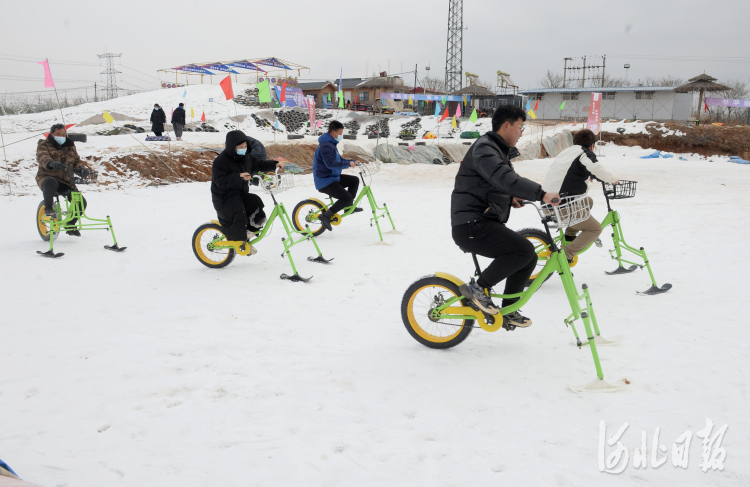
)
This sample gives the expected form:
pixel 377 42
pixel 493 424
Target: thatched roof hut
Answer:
pixel 473 90
pixel 701 83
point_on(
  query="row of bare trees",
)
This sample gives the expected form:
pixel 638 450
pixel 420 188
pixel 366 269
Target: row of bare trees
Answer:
pixel 555 80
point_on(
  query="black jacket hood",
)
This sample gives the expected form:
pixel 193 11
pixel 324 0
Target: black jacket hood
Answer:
pixel 234 138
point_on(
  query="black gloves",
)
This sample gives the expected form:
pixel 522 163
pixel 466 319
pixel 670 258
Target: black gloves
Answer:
pixel 54 165
pixel 84 172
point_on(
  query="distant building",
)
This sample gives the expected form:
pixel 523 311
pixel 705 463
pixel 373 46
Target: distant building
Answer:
pixel 319 90
pixel 658 103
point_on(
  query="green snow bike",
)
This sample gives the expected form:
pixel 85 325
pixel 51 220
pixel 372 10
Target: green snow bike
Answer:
pixel 308 211
pixel 72 217
pixel 437 315
pixel 212 248
pixel 623 190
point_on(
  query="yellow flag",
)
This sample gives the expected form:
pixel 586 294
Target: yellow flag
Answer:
pixel 410 101
pixel 192 113
pixel 107 117
pixel 454 123
pixel 532 114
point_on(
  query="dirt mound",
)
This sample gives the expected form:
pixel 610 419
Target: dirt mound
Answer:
pixel 707 140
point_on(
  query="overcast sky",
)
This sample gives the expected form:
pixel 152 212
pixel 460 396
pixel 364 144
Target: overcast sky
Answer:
pixel 522 38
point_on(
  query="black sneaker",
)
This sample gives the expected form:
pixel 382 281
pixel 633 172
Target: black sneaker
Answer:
pixel 569 238
pixel 73 233
pixel 50 212
pixel 516 319
pixel 357 210
pixel 325 220
pixel 480 297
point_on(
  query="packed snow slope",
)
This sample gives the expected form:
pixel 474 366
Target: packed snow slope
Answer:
pixel 146 368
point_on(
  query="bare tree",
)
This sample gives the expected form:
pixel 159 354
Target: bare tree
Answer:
pixel 668 80
pixel 433 84
pixel 612 81
pixel 551 80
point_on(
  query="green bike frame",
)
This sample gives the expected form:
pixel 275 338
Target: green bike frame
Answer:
pixel 279 211
pixel 557 263
pixel 74 210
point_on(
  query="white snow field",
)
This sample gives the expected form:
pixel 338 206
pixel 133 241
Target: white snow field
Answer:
pixel 147 368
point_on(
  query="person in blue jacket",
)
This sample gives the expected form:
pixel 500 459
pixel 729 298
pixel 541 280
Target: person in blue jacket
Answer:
pixel 327 167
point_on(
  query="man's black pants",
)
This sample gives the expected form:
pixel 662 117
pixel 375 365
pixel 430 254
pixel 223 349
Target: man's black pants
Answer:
pixel 344 191
pixel 514 256
pixel 239 213
pixel 51 187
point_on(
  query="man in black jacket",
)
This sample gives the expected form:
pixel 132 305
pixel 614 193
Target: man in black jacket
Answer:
pixel 178 120
pixel 486 188
pixel 240 212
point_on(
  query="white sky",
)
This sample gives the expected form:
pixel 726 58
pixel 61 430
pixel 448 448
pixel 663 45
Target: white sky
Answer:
pixel 522 38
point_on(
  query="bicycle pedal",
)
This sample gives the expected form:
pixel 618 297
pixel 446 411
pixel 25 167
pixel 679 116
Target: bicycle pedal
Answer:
pixel 598 243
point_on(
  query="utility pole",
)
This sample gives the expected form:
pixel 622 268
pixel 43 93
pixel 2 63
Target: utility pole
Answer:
pixel 454 51
pixel 565 69
pixel 583 79
pixel 111 74
pixel 94 92
pixel 604 68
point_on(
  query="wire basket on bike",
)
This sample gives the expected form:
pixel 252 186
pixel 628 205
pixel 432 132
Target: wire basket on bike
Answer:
pixel 571 211
pixel 89 178
pixel 620 191
pixel 277 183
pixel 370 168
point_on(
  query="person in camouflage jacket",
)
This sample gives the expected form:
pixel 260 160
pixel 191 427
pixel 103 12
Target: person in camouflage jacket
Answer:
pixel 51 153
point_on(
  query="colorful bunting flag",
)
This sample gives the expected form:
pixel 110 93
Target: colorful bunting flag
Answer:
pixel 282 98
pixel 437 109
pixel 48 82
pixel 454 123
pixel 705 106
pixel 445 115
pixel 528 106
pixel 226 85
pixel 562 106
pixel 107 117
pixel 443 100
pixel 532 114
pixel 341 99
pixel 184 94
pixel 203 117
pixel 264 92
pixel 537 104
pixel 458 111
pixel 192 113
pixel 474 116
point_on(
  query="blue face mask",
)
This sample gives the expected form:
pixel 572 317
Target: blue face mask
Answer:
pixel 60 140
pixel 241 152
pixel 340 138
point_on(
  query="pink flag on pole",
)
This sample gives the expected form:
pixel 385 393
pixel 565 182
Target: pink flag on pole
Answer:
pixel 458 111
pixel 48 83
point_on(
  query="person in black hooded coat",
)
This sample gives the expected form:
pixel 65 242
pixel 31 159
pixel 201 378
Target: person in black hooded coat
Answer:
pixel 239 211
pixel 158 119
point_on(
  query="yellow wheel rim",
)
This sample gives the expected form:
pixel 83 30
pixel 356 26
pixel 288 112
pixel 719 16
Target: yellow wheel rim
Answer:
pixel 437 332
pixel 336 220
pixel 43 228
pixel 307 214
pixel 212 257
pixel 543 255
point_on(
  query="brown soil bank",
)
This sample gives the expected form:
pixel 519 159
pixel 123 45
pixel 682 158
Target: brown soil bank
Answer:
pixel 707 140
pixel 195 165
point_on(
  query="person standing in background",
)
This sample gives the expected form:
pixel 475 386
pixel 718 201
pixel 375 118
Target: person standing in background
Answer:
pixel 158 119
pixel 178 120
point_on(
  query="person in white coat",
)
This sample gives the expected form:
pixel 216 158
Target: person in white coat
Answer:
pixel 568 174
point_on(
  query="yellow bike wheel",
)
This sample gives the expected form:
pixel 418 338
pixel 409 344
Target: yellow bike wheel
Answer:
pixel 541 243
pixel 213 258
pixel 44 227
pixel 306 213
pixel 424 295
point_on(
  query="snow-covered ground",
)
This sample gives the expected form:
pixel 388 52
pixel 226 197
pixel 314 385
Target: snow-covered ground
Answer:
pixel 146 368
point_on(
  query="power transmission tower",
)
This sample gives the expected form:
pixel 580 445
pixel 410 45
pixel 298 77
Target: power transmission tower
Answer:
pixel 454 53
pixel 111 89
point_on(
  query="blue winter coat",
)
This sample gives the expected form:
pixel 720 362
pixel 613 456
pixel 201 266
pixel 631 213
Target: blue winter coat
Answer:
pixel 327 163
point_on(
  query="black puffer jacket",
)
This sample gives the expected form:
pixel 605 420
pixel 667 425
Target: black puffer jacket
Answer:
pixel 256 148
pixel 178 116
pixel 158 119
pixel 486 183
pixel 225 175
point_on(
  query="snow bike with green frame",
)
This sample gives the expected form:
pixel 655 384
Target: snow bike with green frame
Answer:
pixel 49 227
pixel 622 190
pixel 307 212
pixel 438 316
pixel 212 249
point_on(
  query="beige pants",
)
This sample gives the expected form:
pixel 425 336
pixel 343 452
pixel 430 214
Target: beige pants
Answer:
pixel 590 230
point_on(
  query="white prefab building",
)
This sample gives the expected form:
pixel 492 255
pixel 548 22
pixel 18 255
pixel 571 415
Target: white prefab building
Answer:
pixel 658 103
